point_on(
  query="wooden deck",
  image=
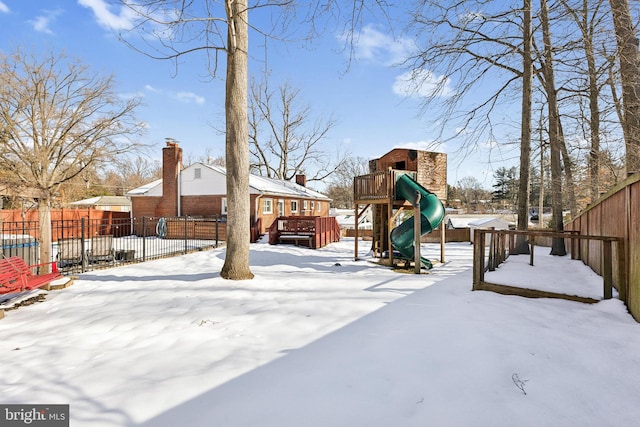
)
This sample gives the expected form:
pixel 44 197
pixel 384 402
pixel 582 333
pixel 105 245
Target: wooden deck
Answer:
pixel 311 231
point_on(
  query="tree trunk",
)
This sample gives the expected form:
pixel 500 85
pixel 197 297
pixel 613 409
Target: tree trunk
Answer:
pixel 44 222
pixel 236 263
pixel 522 246
pixel 594 108
pixel 568 170
pixel 557 246
pixel 630 75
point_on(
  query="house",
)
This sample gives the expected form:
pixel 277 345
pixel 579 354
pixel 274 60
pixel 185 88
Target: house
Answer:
pixel 346 219
pixel 200 190
pixel 104 203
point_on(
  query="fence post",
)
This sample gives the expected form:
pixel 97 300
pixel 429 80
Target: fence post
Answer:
pixel 501 247
pixel 186 234
pixel 478 259
pixel 622 271
pixel 83 233
pixel 607 270
pixel 217 222
pixel 144 238
pixel 532 244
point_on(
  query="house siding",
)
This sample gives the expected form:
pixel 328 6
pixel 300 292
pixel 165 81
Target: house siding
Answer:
pixel 201 205
pixel 212 205
pixel 321 208
pixel 142 206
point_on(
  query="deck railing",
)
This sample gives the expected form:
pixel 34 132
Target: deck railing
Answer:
pixel 377 186
pixel 314 232
pixel 374 186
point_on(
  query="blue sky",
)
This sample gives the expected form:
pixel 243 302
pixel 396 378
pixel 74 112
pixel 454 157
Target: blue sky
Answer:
pixel 368 98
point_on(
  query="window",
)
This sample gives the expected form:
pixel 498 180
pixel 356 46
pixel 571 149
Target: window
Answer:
pixel 267 206
pixel 305 206
pixel 319 206
pixel 224 206
pixel 294 206
pixel 313 205
pixel 197 173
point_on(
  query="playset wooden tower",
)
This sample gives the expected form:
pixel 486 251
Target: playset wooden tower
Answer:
pixel 392 185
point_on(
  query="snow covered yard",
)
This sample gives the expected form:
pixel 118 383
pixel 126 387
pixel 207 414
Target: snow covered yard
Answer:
pixel 317 339
pixel 549 273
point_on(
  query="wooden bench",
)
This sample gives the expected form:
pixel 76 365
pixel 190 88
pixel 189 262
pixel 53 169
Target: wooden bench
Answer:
pixel 17 276
pixel 296 238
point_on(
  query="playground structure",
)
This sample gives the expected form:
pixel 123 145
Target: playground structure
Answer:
pixel 398 182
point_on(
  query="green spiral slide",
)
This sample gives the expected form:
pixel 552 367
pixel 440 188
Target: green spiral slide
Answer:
pixel 431 215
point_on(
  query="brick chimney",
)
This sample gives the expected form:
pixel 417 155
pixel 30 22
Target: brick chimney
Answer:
pixel 301 180
pixel 171 167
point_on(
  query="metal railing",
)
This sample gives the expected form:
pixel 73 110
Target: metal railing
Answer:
pixel 82 245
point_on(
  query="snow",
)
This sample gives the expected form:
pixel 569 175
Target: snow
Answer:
pixel 318 339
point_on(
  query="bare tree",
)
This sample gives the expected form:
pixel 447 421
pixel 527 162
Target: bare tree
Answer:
pixel 462 45
pixel 236 261
pixel 522 246
pixel 629 59
pixel 173 28
pixel 340 188
pixel 558 247
pixel 131 172
pixel 285 140
pixel 471 192
pixel 586 19
pixel 466 43
pixel 88 183
pixel 59 119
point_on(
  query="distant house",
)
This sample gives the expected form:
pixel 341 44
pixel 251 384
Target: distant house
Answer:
pixel 487 224
pixel 200 190
pixel 346 218
pixel 105 203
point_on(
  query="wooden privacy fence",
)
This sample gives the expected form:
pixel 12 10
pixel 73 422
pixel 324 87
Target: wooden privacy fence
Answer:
pixel 64 222
pixel 196 227
pixel 181 227
pixel 451 235
pixel 616 213
pixel 501 245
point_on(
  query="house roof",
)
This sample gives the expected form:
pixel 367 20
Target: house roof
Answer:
pixel 273 186
pixel 483 222
pixel 259 184
pixel 281 187
pixel 468 221
pixel 144 189
pixel 103 201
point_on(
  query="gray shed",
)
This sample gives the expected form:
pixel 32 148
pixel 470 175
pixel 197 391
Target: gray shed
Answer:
pixel 488 223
